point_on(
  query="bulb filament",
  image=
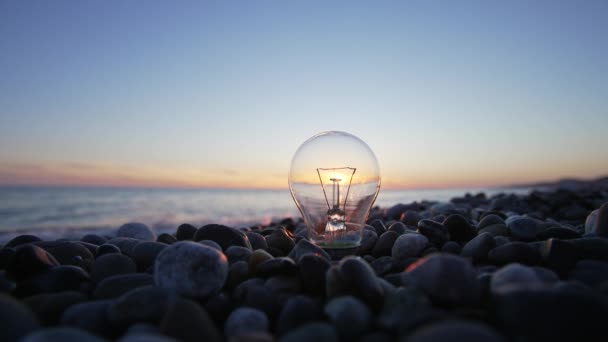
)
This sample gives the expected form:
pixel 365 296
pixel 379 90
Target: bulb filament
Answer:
pixel 336 216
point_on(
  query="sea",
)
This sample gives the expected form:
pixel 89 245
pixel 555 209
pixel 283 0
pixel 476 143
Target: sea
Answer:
pixel 69 211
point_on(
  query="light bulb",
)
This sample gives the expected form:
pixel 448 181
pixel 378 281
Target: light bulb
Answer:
pixel 334 180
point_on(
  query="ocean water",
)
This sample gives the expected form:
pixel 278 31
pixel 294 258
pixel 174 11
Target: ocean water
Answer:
pixel 60 211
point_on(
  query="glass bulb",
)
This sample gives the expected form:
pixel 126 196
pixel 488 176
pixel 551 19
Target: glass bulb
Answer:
pixel 334 180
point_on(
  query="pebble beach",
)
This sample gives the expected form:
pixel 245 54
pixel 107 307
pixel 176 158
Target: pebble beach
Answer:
pixel 505 267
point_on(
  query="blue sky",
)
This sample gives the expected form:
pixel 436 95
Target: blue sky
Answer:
pixel 203 93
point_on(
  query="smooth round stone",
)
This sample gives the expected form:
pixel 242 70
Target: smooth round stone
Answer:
pixel 561 233
pixel 94 239
pixel 442 209
pixel 237 273
pixel 436 233
pixel 257 257
pixel 137 231
pixel 368 240
pixel 410 218
pixel 514 277
pixel 499 229
pixel 49 306
pixel 402 305
pixel 590 272
pixel 106 248
pixel 501 240
pixel 304 247
pixel 409 245
pixel 349 315
pixel 68 253
pixel 224 236
pixel 384 245
pixel 30 260
pixel 601 223
pixel 126 244
pixel 456 331
pixel 110 265
pixel 478 248
pixel 459 228
pixel 276 266
pixel 145 337
pixel 283 285
pixel 22 240
pixel 185 231
pixel 312 270
pixel 280 240
pixel 297 311
pixel 219 307
pixel 238 253
pixel 6 257
pixel 145 253
pixel 191 269
pixel 451 247
pixel 64 334
pixel 6 285
pixel 591 222
pixel 56 279
pixel 116 286
pixel 258 241
pixel 591 248
pixel 357 278
pixel 166 239
pixel 89 316
pixel 245 321
pixel 211 244
pixel 395 212
pixel 559 255
pixel 378 226
pixel 384 265
pixel 446 278
pixel 16 319
pixel 143 304
pixel 399 228
pixel 142 328
pixel 519 252
pixel 490 220
pixel 187 321
pixel 314 331
pixel 533 315
pixel 524 228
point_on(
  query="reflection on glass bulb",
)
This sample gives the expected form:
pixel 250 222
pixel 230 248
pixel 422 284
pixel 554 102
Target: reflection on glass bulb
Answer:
pixel 334 180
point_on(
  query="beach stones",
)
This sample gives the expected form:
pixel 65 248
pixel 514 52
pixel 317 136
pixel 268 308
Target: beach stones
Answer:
pixel 115 286
pixel 601 222
pixel 459 228
pixel 143 304
pixel 436 233
pixel 187 321
pixel 191 269
pixel 144 254
pixel 185 231
pixel 384 245
pixel 477 249
pixel 368 240
pixel 524 228
pixel 519 252
pixel 111 264
pixel 238 253
pixel 29 260
pixel 22 240
pixel 258 241
pixel 304 247
pixel 224 236
pixel 297 311
pixel 456 331
pixel 349 315
pixel 409 245
pixel 16 319
pixel 90 316
pixel 280 240
pixel 353 276
pixel 244 321
pixel 66 334
pixel 312 270
pixel 514 277
pixel 49 307
pixel 137 231
pixel 446 278
pixel 314 331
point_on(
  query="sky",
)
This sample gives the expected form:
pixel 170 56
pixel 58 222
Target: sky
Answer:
pixel 222 93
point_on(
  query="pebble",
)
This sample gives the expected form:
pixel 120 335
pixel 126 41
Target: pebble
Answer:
pixel 514 252
pixel 592 273
pixel 384 245
pixel 304 247
pixel 22 240
pixel 446 278
pixel 368 240
pixel 30 260
pixel 312 270
pixel 245 321
pixel 185 231
pixel 49 307
pixel 478 248
pixel 94 239
pixel 399 228
pixel 125 244
pixel 224 236
pixel 559 255
pixel 436 233
pixel 258 241
pixel 378 226
pixel 145 253
pixel 142 304
pixel 601 223
pixel 591 248
pixel 167 239
pixel 456 331
pixel 191 269
pixel 116 286
pixel 280 240
pixel 408 245
pixel 514 277
pixel 68 253
pixel 56 279
pixel 276 266
pixel 405 304
pixel 106 248
pixel 257 257
pixel 314 331
pixel 356 277
pixel 64 334
pixel 237 273
pixel 110 265
pixel 238 253
pixel 562 233
pixel 145 337
pixel 459 228
pixel 410 218
pixel 16 319
pixel 89 316
pixel 523 228
pixel 187 321
pixel 349 315
pixel 211 244
pixel 298 310
pixel 137 231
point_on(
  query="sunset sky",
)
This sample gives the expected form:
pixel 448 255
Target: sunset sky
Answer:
pixel 222 93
